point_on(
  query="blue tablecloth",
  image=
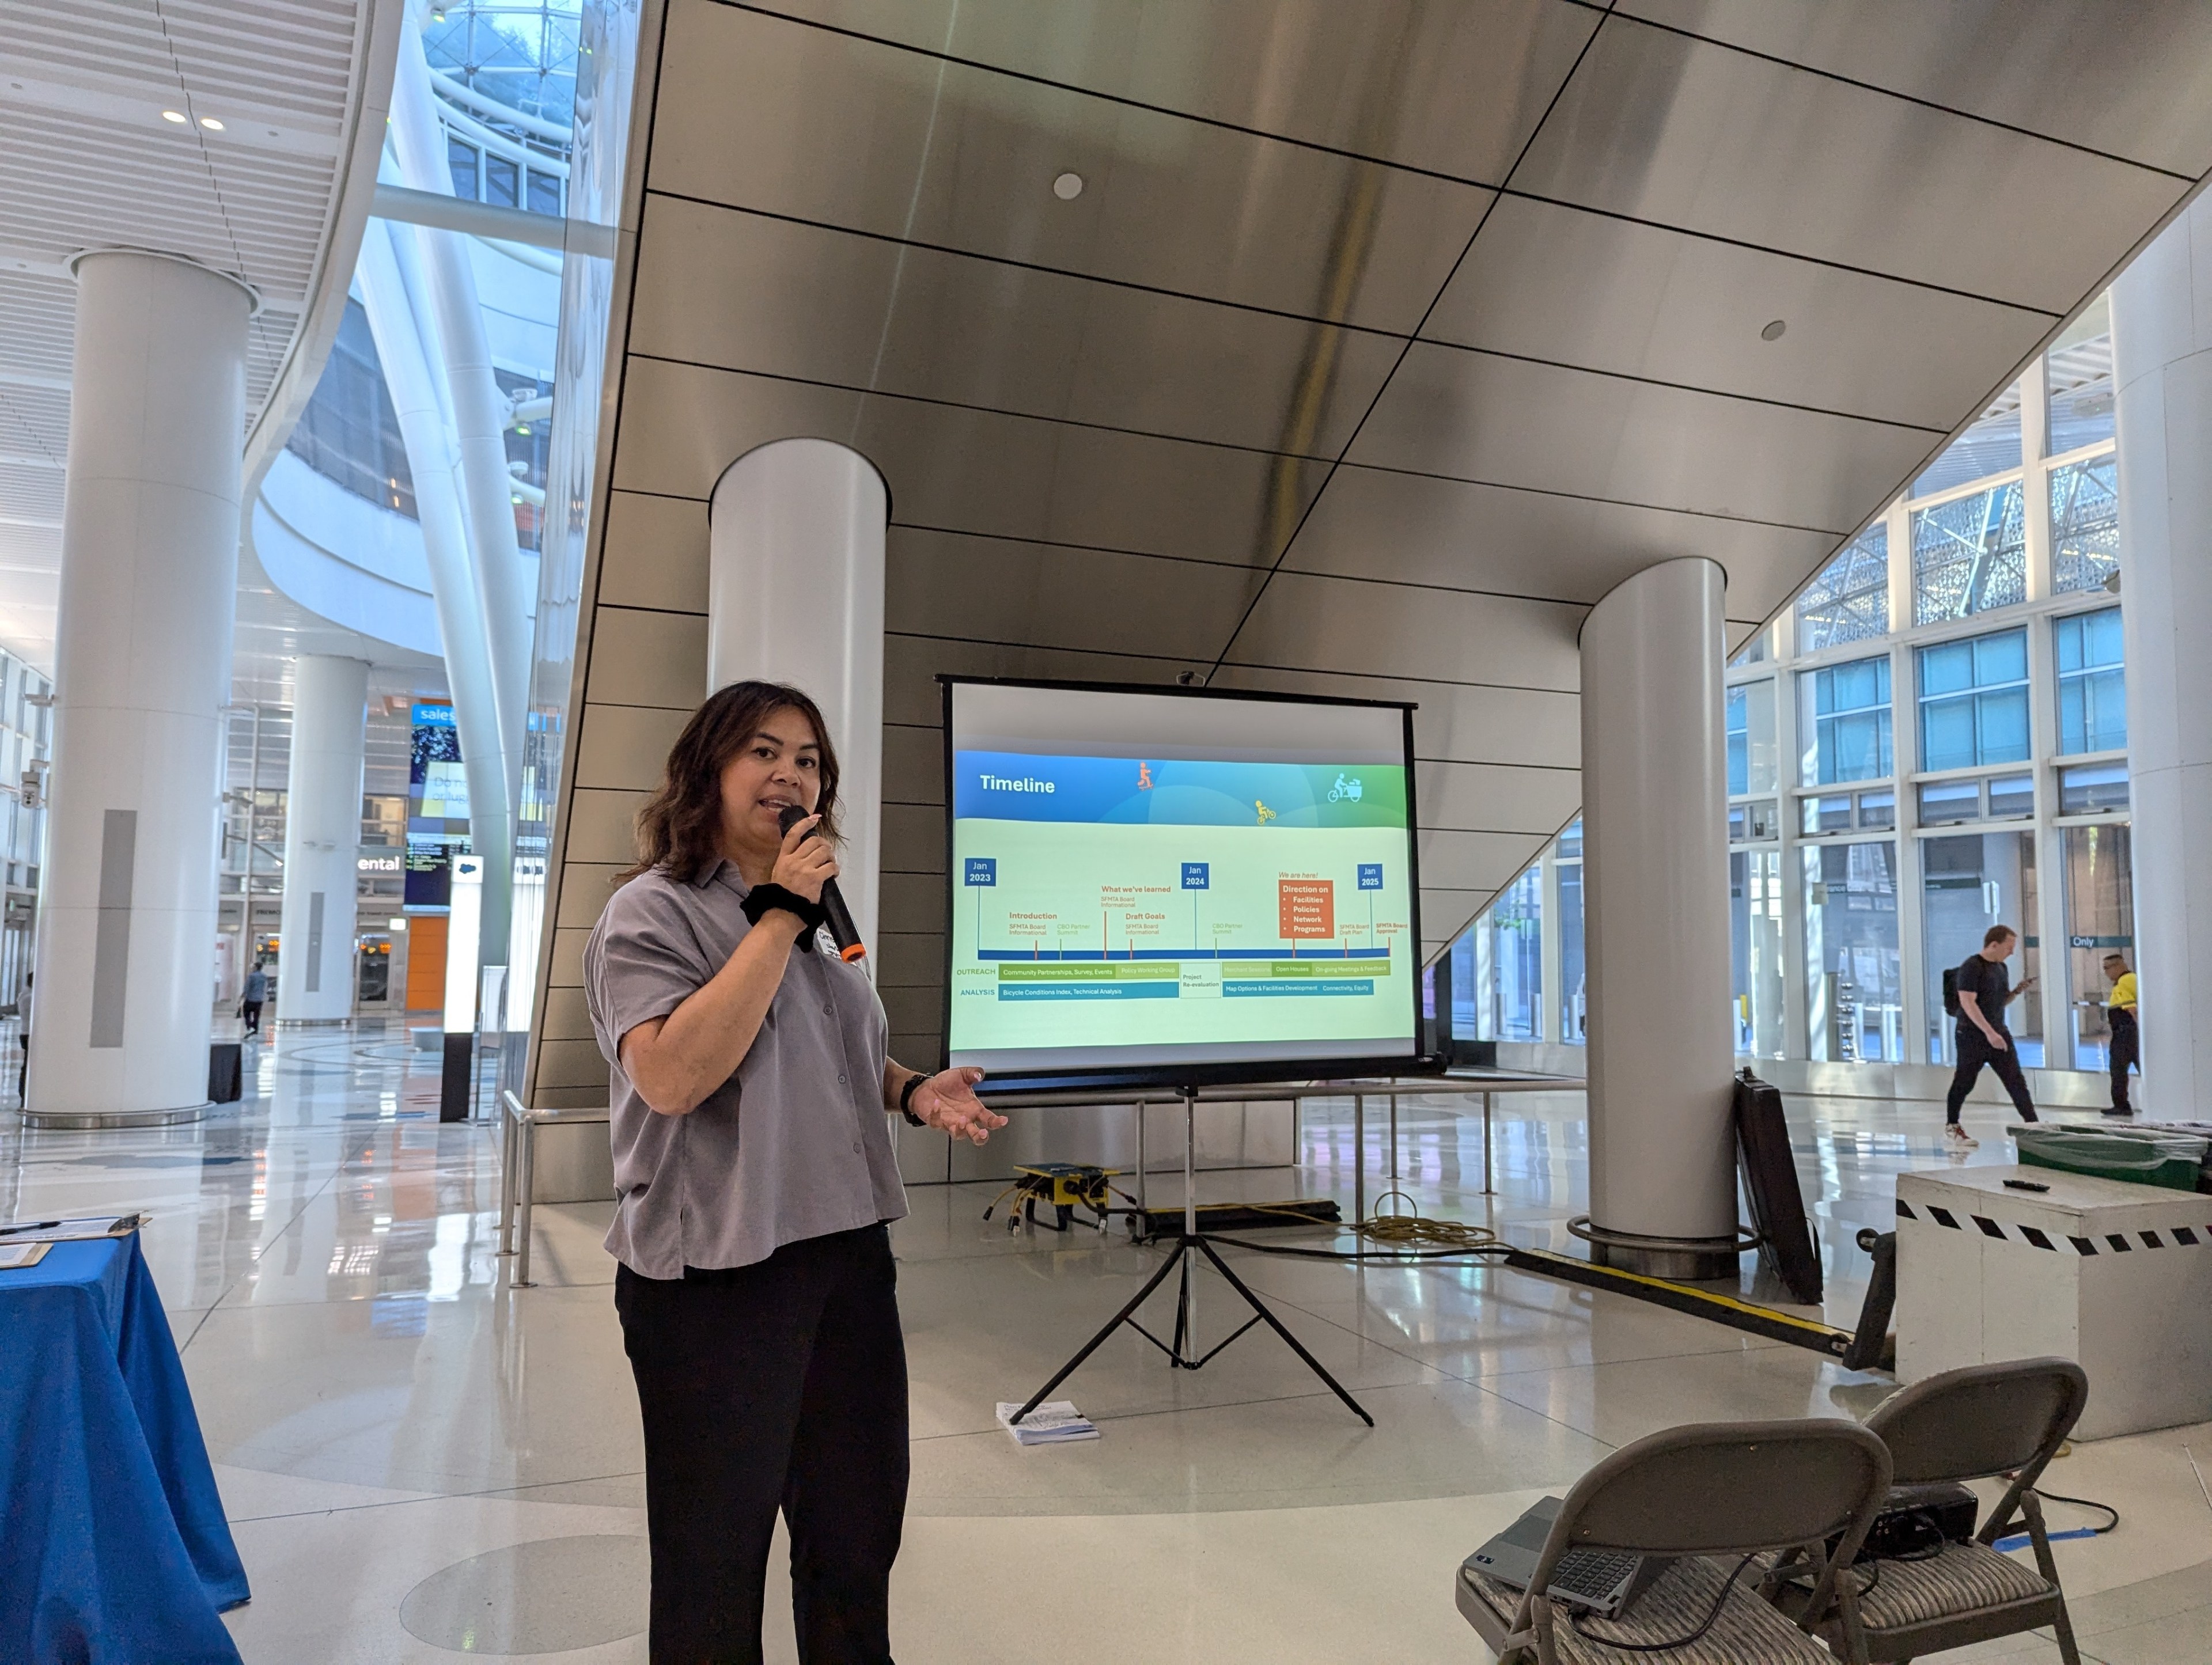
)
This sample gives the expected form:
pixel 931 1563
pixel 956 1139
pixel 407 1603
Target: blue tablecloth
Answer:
pixel 113 1547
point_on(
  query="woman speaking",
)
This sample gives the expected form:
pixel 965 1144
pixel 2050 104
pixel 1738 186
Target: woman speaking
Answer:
pixel 750 1082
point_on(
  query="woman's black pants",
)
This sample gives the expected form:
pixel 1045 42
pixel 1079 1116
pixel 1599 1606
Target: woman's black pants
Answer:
pixel 780 1385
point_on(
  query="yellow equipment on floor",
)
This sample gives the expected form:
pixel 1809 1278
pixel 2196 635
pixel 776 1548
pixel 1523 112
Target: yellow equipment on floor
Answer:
pixel 1062 1186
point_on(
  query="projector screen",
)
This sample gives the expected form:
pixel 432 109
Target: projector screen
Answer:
pixel 1178 887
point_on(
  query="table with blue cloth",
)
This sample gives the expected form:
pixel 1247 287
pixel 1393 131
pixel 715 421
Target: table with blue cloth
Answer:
pixel 113 1547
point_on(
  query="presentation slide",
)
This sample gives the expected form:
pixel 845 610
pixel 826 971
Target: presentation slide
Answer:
pixel 1141 881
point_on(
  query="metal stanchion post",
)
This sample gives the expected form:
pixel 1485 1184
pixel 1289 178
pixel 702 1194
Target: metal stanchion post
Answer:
pixel 1143 1206
pixel 1358 1157
pixel 1489 1187
pixel 1394 1141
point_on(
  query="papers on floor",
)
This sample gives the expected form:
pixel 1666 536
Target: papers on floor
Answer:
pixel 1055 1422
pixel 16 1255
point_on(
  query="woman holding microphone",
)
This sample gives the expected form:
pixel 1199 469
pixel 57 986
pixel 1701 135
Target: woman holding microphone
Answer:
pixel 750 1084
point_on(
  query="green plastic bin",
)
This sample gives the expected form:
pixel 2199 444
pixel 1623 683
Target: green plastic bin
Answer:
pixel 2170 1161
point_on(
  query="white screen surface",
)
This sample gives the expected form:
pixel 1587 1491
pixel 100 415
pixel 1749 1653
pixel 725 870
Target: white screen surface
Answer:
pixel 1148 882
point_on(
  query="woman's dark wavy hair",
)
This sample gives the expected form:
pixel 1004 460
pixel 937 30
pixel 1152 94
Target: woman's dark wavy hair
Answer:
pixel 680 827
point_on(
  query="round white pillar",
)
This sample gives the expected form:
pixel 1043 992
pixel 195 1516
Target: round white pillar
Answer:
pixel 1656 913
pixel 795 594
pixel 149 580
pixel 2162 348
pixel 322 840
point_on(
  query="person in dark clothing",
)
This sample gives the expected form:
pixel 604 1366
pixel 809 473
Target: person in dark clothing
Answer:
pixel 1983 994
pixel 2127 1038
pixel 256 991
pixel 23 1068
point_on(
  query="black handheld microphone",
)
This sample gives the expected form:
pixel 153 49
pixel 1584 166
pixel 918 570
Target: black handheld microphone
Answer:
pixel 849 945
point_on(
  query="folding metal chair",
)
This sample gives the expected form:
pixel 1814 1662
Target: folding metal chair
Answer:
pixel 1721 1496
pixel 1966 1425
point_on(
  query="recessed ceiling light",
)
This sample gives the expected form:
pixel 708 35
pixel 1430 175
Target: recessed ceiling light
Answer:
pixel 1068 187
pixel 177 116
pixel 211 124
pixel 1774 331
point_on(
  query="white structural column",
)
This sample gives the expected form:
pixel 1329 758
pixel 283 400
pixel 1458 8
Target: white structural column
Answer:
pixel 149 580
pixel 2162 346
pixel 795 594
pixel 479 414
pixel 389 296
pixel 1656 922
pixel 322 839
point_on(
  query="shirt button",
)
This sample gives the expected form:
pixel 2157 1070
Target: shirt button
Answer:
pixel 828 1011
pixel 840 1080
pixel 856 1147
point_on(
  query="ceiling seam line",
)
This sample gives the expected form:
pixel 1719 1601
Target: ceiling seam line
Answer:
pixel 1120 99
pixel 1369 467
pixel 981 409
pixel 1160 290
pixel 1913 99
pixel 1584 497
pixel 1679 386
pixel 1329 474
pixel 1780 254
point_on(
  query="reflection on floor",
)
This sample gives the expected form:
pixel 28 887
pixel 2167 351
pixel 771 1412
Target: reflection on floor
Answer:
pixel 421 1462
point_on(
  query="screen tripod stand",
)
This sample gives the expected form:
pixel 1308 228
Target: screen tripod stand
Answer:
pixel 1182 1351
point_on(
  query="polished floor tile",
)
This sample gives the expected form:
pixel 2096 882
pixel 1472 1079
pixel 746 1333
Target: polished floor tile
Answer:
pixel 421 1462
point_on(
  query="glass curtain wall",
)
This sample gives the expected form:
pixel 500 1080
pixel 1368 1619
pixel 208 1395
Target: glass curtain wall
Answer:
pixel 2100 921
pixel 1968 884
pixel 1869 849
pixel 1508 964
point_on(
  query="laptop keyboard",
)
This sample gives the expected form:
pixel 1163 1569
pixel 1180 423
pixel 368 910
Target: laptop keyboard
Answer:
pixel 1592 1574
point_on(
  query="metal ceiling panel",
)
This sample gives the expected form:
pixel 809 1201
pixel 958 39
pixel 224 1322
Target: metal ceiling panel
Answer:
pixel 993 589
pixel 912 665
pixel 1464 721
pixel 745 292
pixel 965 158
pixel 1455 89
pixel 1304 623
pixel 970 471
pixel 1663 127
pixel 1419 529
pixel 2132 81
pixel 1475 861
pixel 1548 282
pixel 1511 422
pixel 1495 798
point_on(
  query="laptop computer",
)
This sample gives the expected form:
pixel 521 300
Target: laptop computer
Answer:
pixel 1601 1581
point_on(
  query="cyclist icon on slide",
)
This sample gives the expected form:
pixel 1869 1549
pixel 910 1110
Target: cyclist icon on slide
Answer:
pixel 1344 788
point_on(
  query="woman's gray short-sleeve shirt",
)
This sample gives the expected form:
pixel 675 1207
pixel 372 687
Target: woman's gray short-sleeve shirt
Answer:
pixel 795 1145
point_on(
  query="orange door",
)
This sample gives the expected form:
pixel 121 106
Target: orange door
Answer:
pixel 426 963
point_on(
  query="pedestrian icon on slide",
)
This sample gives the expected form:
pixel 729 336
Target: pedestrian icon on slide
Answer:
pixel 1144 777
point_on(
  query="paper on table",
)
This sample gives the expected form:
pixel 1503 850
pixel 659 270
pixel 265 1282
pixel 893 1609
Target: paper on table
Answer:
pixel 72 1229
pixel 16 1255
pixel 1055 1422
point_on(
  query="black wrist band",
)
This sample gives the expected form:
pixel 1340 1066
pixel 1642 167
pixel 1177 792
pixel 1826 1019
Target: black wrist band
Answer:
pixel 906 1097
pixel 762 897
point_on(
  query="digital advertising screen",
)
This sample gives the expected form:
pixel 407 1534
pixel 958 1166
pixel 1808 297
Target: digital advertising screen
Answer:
pixel 437 804
pixel 1178 886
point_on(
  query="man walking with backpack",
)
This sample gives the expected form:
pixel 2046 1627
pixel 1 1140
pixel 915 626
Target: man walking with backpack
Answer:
pixel 1983 992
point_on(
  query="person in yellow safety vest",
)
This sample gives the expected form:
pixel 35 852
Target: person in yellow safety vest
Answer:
pixel 2127 1038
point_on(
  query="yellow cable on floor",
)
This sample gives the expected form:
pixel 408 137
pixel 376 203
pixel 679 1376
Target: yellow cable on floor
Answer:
pixel 1411 1231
